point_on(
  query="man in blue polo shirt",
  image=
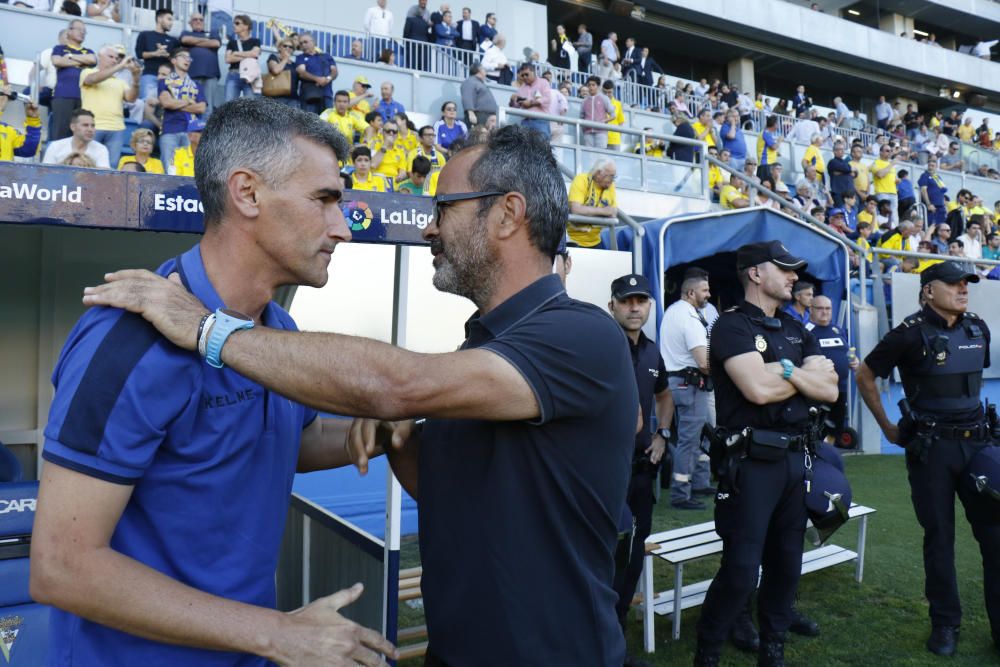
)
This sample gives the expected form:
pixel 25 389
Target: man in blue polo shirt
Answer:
pixel 166 483
pixel 522 465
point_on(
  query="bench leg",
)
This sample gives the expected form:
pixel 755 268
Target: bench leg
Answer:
pixel 859 565
pixel 649 640
pixel 678 597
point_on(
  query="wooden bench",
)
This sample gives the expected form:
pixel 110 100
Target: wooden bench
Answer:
pixel 409 589
pixel 691 543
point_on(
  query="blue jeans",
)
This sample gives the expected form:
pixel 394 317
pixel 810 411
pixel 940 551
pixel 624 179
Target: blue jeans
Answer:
pixel 210 89
pixel 539 125
pixel 168 144
pixel 237 87
pixel 147 86
pixel 113 140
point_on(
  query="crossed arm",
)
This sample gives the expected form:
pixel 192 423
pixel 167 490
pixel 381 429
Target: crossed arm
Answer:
pixel 762 383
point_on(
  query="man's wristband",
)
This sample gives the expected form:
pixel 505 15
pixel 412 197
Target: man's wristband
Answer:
pixel 664 433
pixel 203 330
pixel 787 368
pixel 226 322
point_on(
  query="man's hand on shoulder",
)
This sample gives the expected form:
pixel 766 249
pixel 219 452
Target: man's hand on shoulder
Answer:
pixel 318 635
pixel 163 302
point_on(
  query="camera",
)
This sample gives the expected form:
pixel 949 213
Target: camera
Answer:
pixel 17 96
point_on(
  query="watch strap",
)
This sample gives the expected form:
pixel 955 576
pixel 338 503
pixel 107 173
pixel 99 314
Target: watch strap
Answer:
pixel 225 325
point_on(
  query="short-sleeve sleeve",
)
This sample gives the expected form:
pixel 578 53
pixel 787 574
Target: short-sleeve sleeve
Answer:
pixel 810 345
pixel 662 381
pixel 578 189
pixel 694 332
pixel 732 336
pixel 555 353
pixel 112 404
pixel 888 353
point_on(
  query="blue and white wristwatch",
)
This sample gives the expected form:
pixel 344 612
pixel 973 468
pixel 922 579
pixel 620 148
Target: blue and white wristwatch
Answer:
pixel 226 322
pixel 787 367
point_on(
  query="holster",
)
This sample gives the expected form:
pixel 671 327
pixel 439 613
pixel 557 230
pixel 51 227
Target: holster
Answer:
pixel 725 450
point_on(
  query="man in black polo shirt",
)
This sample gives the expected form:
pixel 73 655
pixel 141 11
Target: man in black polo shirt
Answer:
pixel 767 369
pixel 631 299
pixel 522 467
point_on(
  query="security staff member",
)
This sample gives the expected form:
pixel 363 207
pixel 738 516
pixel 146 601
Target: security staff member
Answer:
pixel 685 353
pixel 941 352
pixel 834 344
pixel 767 369
pixel 631 299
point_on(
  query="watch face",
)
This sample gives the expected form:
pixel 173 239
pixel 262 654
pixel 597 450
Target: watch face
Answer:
pixel 235 314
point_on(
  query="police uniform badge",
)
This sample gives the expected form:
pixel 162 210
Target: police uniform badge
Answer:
pixel 760 343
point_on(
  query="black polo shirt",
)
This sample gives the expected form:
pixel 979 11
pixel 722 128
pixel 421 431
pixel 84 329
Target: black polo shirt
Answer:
pixel 651 378
pixel 740 330
pixel 518 519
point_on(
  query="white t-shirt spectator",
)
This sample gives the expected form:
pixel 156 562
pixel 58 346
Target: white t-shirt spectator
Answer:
pixel 973 247
pixel 61 149
pixel 681 331
pixel 378 21
pixel 803 130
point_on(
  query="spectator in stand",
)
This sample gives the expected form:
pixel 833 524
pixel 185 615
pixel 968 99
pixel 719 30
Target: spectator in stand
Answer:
pixel 495 62
pixel 534 94
pixel 702 88
pixel 488 30
pixel 982 49
pixel 389 159
pixel 992 248
pixel 340 116
pixel 241 47
pixel 387 107
pixel 617 116
pixel 609 47
pixel 922 144
pixel 561 49
pixel 361 95
pixel 14 143
pixel 204 46
pixel 81 140
pixel 378 22
pixel 952 160
pixel 805 195
pixel 316 72
pixel 932 192
pixel 904 190
pixel 884 177
pixel 284 60
pixel 803 130
pixel 814 158
pixel 103 10
pixel 103 93
pixel 79 160
pixel 477 100
pixel 965 131
pixel 362 178
pixel 951 124
pixel 417 28
pixel 468 31
pixel 143 142
pixel 735 194
pixel 682 152
pixel 419 171
pixel 449 129
pixel 181 99
pixel 584 45
pixel 841 111
pixel 69 59
pixel 733 140
pixel 444 32
pixel 593 194
pixel 761 200
pixel 419 9
pixel 704 128
pixel 357 50
pixel 869 212
pixel 596 108
pixel 801 102
pixel 714 175
pixel 972 239
pixel 768 145
pixel 820 192
pixel 372 136
pixel 427 150
pixel 184 156
pixel 862 182
pixel 910 120
pixel 841 175
pixel 153 48
pixel 777 178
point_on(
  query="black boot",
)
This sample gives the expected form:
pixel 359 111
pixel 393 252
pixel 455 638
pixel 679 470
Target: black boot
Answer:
pixel 803 625
pixel 943 640
pixel 772 651
pixel 707 654
pixel 744 634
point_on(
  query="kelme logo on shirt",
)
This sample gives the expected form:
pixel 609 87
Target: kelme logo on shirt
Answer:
pixel 359 216
pixel 227 400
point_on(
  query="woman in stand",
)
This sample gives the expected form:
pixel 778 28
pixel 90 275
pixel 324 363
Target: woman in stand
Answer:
pixel 281 61
pixel 449 128
pixel 142 142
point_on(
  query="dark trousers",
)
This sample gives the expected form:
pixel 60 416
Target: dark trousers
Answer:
pixel 431 660
pixel 62 108
pixel 933 486
pixel 640 500
pixel 763 524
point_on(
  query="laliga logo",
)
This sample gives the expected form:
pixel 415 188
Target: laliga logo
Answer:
pixel 359 216
pixel 406 217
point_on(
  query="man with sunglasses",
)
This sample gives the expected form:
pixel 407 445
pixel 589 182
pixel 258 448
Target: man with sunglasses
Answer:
pixel 522 464
pixel 390 158
pixel 204 46
pixel 534 94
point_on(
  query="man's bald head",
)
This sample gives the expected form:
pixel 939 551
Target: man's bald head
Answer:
pixel 821 310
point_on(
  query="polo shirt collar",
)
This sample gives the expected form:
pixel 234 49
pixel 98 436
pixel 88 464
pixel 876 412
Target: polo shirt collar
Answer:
pixel 931 316
pixel 191 269
pixel 522 304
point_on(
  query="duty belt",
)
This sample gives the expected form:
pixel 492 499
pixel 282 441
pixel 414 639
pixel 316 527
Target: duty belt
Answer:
pixel 976 431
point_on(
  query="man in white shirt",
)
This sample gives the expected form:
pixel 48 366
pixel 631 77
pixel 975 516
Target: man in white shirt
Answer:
pixel 982 49
pixel 804 129
pixel 972 239
pixel 81 124
pixel 609 47
pixel 684 347
pixel 378 20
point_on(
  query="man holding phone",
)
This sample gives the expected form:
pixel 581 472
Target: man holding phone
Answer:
pixel 12 141
pixel 103 93
pixel 534 94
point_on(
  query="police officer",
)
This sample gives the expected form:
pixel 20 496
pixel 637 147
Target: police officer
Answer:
pixel 767 369
pixel 834 344
pixel 631 299
pixel 684 344
pixel 940 352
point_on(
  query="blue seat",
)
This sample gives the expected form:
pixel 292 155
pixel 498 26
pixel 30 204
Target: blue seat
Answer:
pixel 23 623
pixel 10 467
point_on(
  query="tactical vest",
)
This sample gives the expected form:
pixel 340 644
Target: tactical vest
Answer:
pixel 949 375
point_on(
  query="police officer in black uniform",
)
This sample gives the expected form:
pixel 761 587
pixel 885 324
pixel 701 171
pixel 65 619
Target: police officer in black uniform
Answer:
pixel 940 352
pixel 631 300
pixel 767 370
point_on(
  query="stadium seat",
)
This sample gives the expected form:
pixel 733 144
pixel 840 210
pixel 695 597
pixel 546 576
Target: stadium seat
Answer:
pixel 23 623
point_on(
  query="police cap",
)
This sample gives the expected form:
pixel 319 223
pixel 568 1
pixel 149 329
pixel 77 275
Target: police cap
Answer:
pixel 828 499
pixel 947 272
pixel 629 285
pixel 775 252
pixel 982 474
